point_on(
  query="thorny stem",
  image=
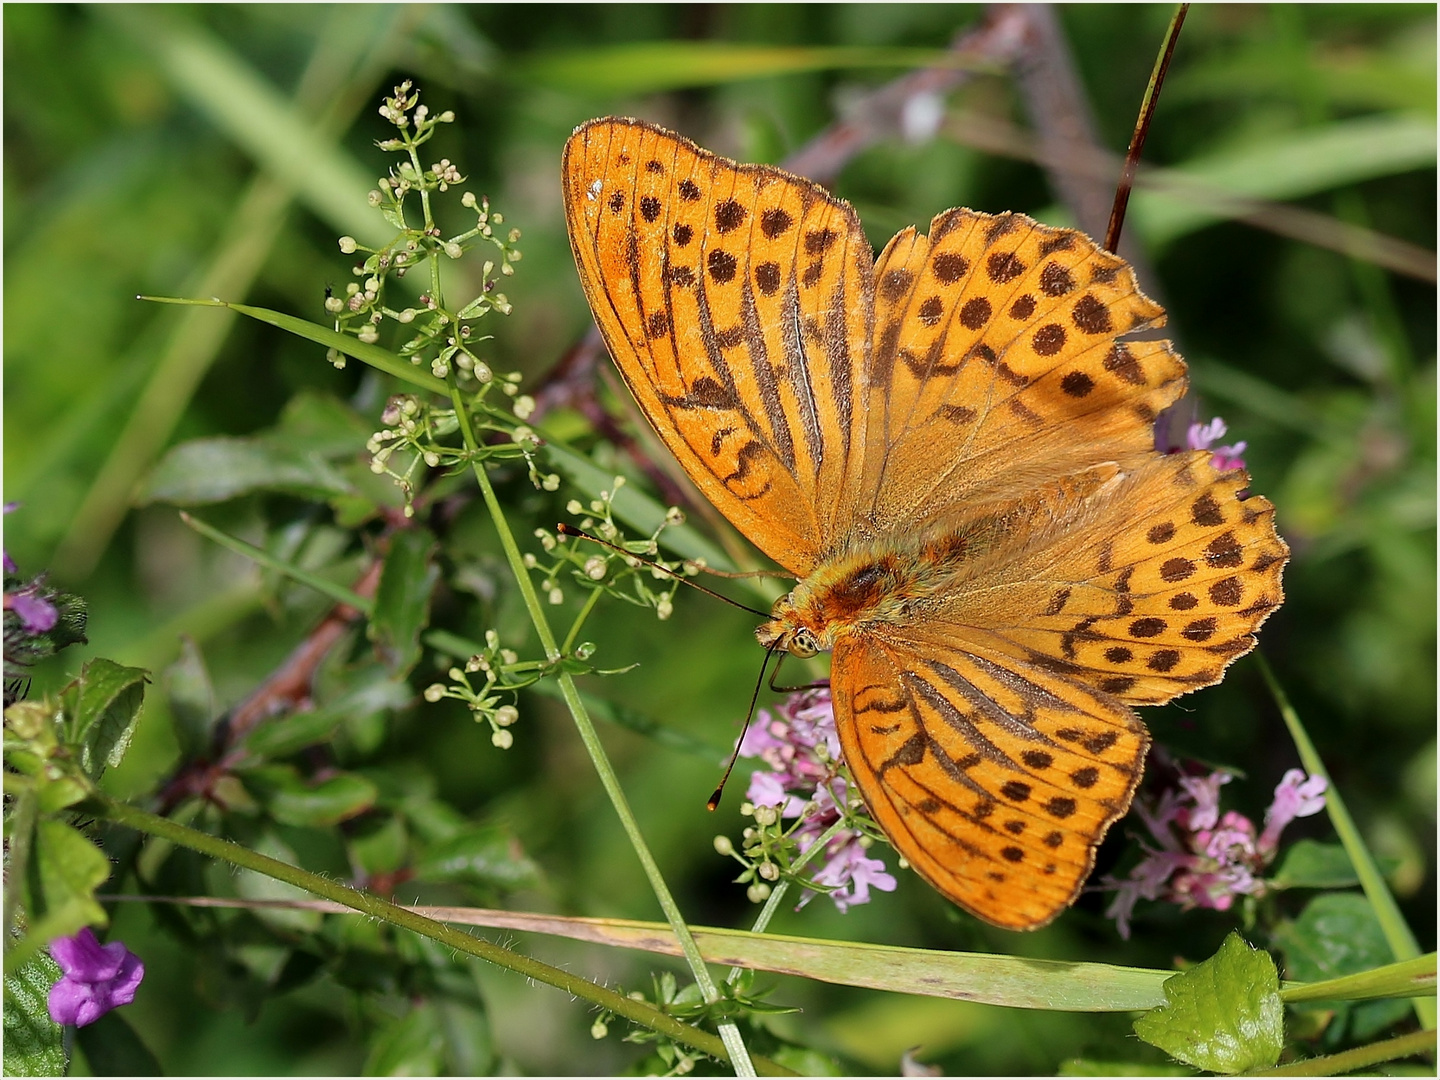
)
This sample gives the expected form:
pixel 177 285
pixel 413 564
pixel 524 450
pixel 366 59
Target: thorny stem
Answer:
pixel 1397 932
pixel 637 1011
pixel 737 1054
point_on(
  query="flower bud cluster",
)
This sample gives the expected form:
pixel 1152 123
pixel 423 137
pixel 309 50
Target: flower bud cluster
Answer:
pixel 488 683
pixel 442 337
pixel 620 573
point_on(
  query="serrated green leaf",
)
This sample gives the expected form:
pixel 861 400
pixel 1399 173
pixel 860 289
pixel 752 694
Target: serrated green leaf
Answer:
pixel 112 1048
pixel 487 855
pixel 191 697
pixel 34 1043
pixel 402 599
pixel 1224 1014
pixel 205 471
pixel 413 1045
pixel 106 705
pixel 1310 864
pixel 293 801
pixel 1337 934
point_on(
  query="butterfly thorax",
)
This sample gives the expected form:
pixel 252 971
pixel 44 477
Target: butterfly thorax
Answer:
pixel 864 588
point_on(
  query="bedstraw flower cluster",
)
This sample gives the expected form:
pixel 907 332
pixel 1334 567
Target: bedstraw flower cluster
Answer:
pixel 651 583
pixel 805 783
pixel 489 684
pixel 442 336
pixel 1204 858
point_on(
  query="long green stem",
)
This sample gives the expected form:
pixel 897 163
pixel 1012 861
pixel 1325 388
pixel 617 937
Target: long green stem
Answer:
pixel 218 848
pixel 1397 932
pixel 738 1056
pixel 1402 1046
pixel 772 903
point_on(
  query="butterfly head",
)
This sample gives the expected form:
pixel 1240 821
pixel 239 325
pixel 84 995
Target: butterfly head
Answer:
pixel 787 631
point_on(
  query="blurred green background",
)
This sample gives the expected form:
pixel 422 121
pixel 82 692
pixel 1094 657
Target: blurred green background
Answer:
pixel 220 150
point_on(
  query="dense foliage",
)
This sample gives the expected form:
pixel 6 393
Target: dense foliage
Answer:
pixel 221 151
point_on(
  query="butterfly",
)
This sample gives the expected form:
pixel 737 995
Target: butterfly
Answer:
pixel 952 450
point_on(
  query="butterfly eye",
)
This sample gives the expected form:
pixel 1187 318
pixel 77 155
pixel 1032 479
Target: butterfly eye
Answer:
pixel 803 643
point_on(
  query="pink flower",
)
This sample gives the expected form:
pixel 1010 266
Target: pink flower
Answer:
pixel 1206 859
pixel 37 615
pixel 800 746
pixel 1203 436
pixel 97 978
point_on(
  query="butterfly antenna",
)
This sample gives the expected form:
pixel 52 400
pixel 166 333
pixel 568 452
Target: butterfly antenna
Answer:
pixel 714 799
pixel 1142 128
pixel 570 530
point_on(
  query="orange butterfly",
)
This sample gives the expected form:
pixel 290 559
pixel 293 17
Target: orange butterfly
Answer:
pixel 953 453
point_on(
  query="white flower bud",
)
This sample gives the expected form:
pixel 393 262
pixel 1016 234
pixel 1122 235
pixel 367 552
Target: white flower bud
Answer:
pixel 595 567
pixel 482 371
pixel 506 715
pixel 664 608
pixel 453 250
pixel 508 656
pixel 434 692
pixel 769 871
pixel 556 596
pixel 456 674
pixel 598 1030
pixel 528 559
pixel 758 893
pixel 766 815
pixel 524 406
pixel 334 305
pixel 573 507
pixel 348 245
pixel 551 482
pixel 503 739
pixel 674 516
pixel 724 846
pixel 431 458
pixel 468 200
pixel 408 315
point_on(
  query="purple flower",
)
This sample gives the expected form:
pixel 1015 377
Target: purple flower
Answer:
pixel 1203 436
pixel 801 748
pixel 37 615
pixel 10 567
pixel 1206 859
pixel 97 978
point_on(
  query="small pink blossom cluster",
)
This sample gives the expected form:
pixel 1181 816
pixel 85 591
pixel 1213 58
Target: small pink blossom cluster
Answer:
pixel 1205 858
pixel 1204 436
pixel 799 745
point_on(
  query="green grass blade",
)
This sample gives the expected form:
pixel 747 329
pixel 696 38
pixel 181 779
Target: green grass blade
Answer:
pixel 1407 978
pixel 338 593
pixel 652 66
pixel 1362 1057
pixel 381 359
pixel 1397 931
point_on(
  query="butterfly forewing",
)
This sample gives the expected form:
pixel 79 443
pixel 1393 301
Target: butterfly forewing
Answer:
pixel 734 300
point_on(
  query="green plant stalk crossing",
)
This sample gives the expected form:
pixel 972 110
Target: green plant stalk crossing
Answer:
pixel 218 848
pixel 737 1054
pixel 1397 932
pixel 1402 1046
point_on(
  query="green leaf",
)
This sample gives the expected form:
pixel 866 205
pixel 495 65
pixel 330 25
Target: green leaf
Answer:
pixel 486 856
pixel 1224 1014
pixel 191 698
pixel 1310 864
pixel 65 870
pixel 105 704
pixel 402 599
pixel 292 801
pixel 413 1045
pixel 213 470
pixel 286 735
pixel 33 1042
pixel 380 848
pixel 1337 934
pixel 112 1048
pixel 469 1043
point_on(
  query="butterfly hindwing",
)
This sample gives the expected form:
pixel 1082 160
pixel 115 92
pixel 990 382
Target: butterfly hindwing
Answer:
pixel 735 301
pixel 995 779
